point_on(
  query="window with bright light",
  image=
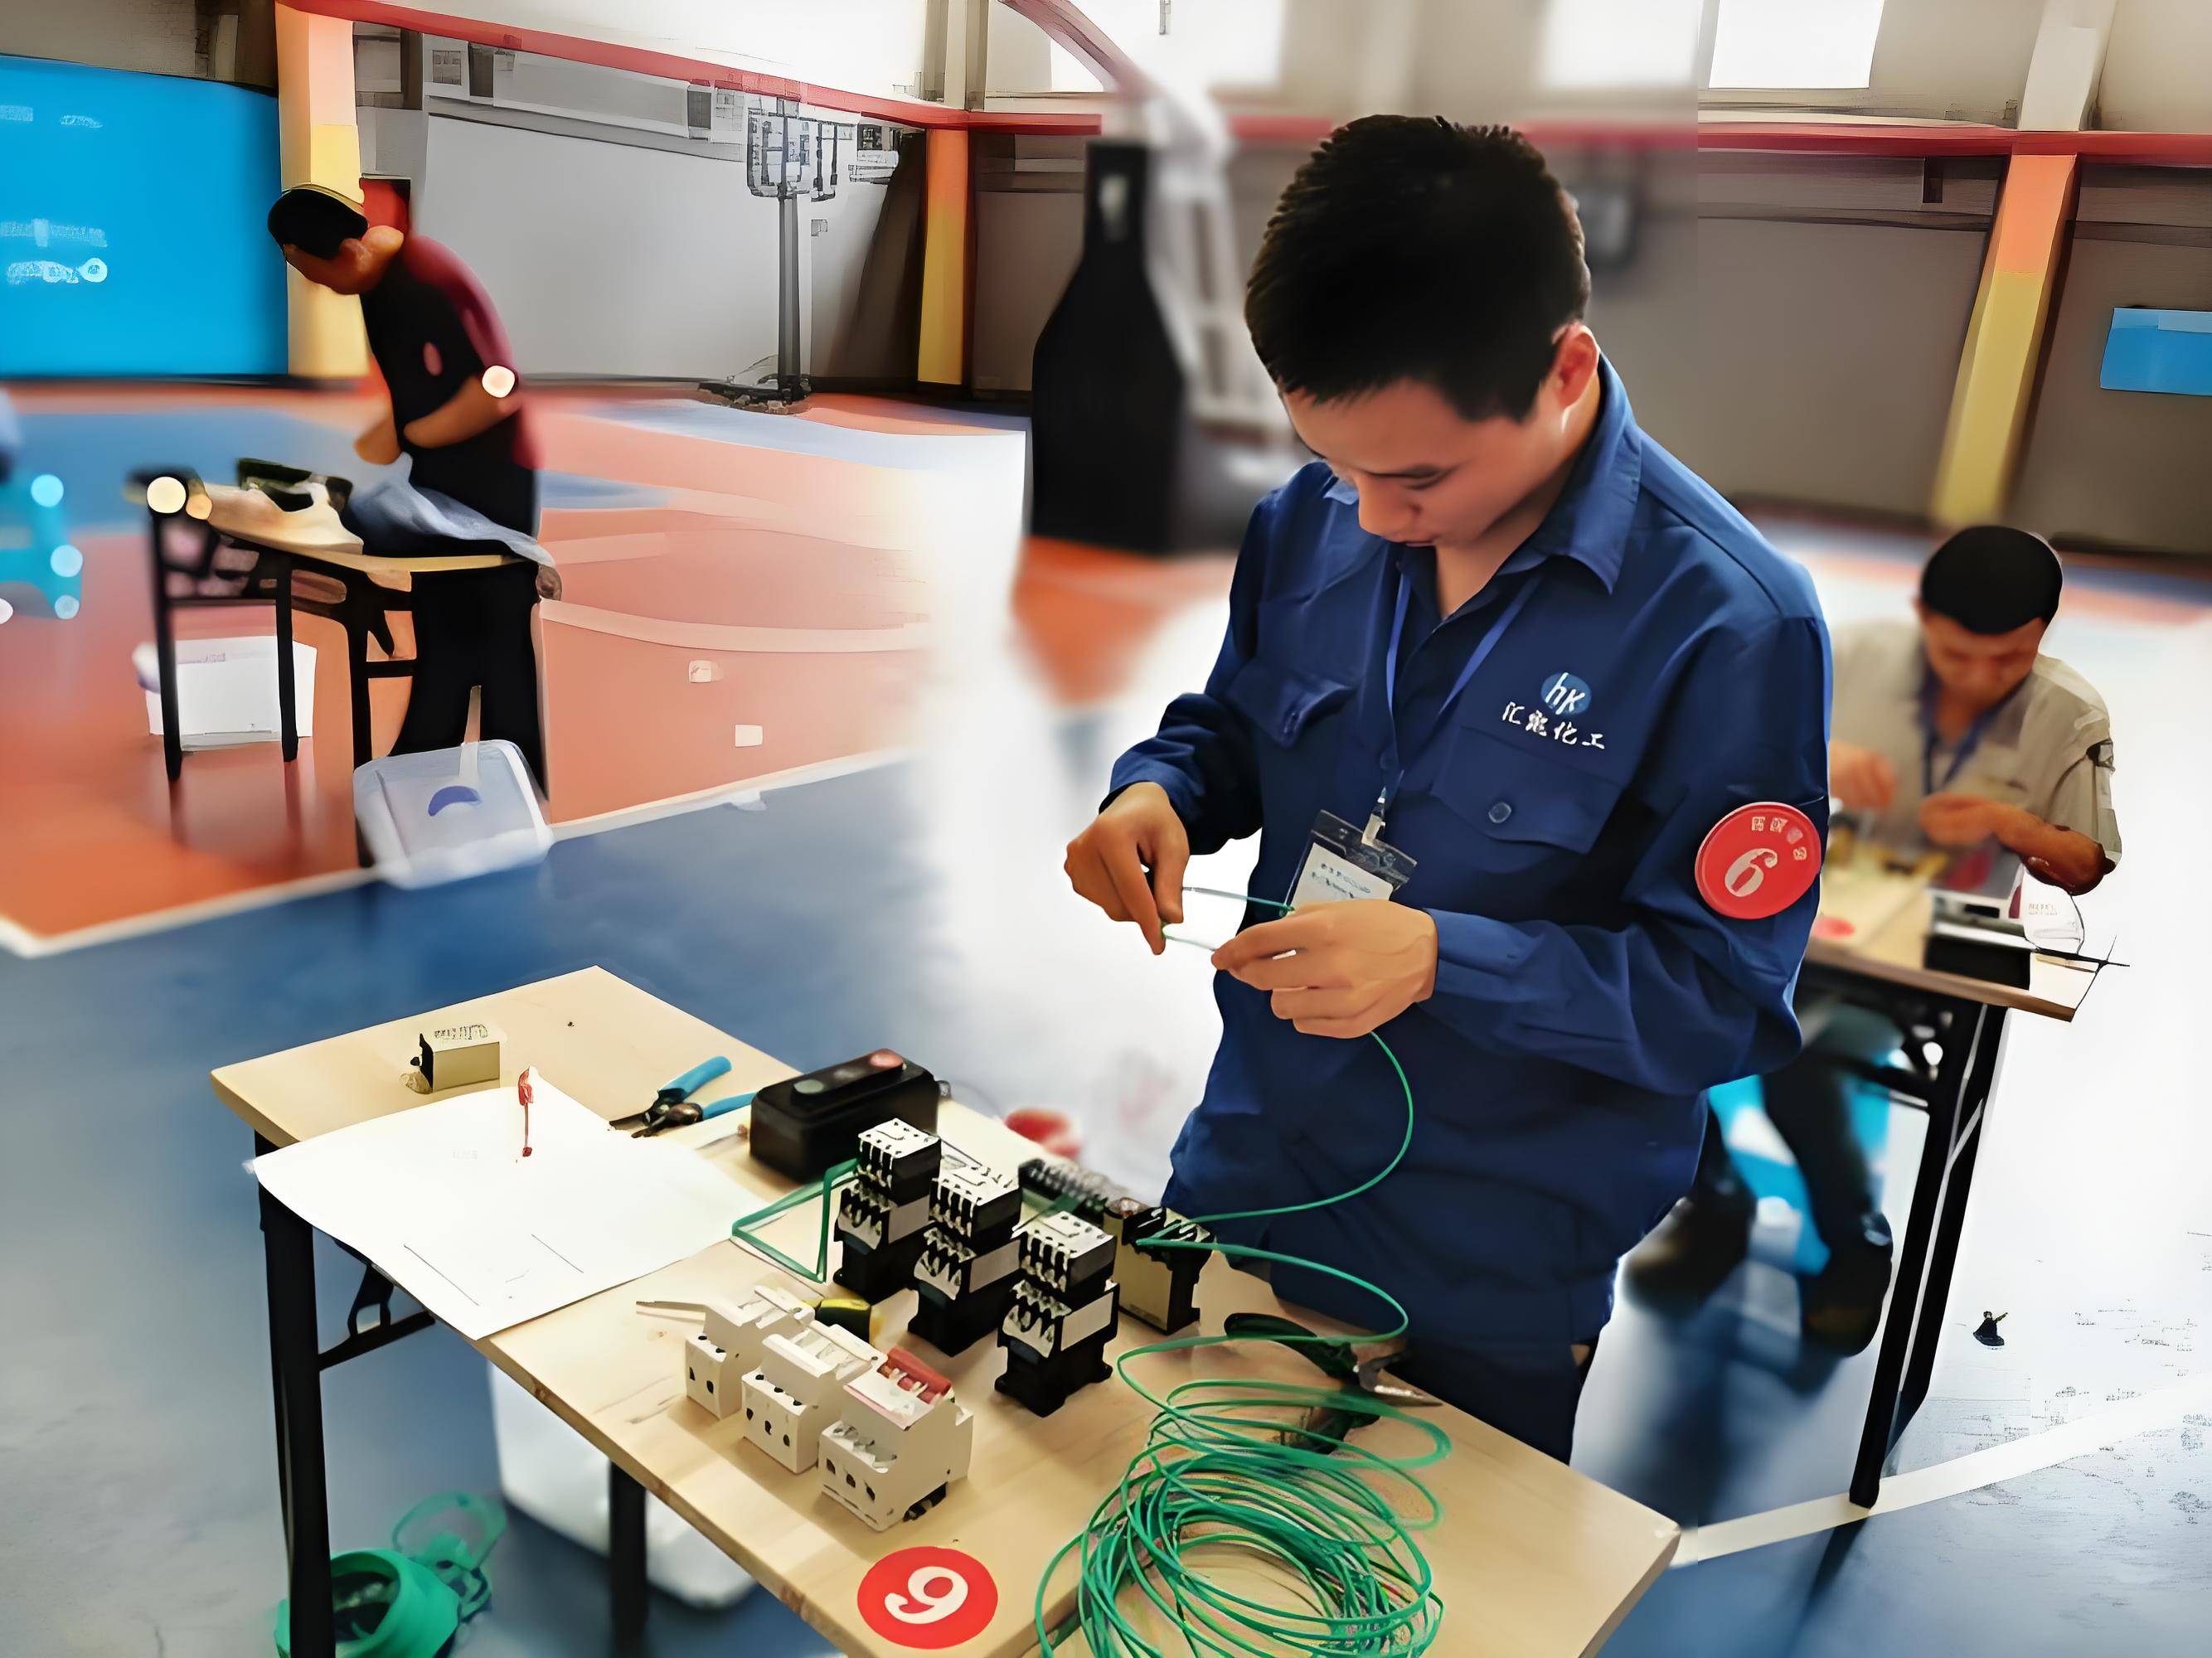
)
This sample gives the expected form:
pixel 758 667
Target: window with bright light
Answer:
pixel 1602 44
pixel 1795 43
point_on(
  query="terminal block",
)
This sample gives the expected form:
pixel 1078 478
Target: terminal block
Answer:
pixel 1157 1285
pixel 968 1260
pixel 1063 1313
pixel 902 1439
pixel 717 1360
pixel 798 1390
pixel 884 1212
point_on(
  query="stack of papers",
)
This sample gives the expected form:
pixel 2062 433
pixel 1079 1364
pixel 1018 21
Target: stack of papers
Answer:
pixel 442 1200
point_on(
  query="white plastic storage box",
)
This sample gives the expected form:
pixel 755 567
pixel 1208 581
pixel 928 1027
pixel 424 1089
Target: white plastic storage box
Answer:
pixel 227 690
pixel 449 814
pixel 548 1472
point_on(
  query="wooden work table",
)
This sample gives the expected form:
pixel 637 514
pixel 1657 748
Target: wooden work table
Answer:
pixel 1530 1558
pixel 1888 913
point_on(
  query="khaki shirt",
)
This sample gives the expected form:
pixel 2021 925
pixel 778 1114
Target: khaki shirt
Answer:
pixel 2048 747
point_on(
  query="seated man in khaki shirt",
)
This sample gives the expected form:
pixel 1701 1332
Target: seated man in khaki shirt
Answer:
pixel 1951 731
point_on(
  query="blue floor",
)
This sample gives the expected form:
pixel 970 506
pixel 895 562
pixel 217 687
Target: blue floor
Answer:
pixel 142 1513
pixel 93 454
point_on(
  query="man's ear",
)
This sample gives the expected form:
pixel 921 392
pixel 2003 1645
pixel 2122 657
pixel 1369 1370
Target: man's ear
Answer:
pixel 1574 363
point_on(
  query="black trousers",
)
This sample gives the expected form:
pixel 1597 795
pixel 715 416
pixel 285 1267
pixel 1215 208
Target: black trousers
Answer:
pixel 1529 1390
pixel 472 631
pixel 1809 1102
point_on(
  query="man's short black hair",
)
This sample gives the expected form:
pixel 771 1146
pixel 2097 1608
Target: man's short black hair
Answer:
pixel 1410 247
pixel 314 220
pixel 1992 578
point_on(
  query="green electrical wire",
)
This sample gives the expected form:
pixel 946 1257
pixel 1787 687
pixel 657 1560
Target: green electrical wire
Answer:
pixel 742 1228
pixel 1219 1482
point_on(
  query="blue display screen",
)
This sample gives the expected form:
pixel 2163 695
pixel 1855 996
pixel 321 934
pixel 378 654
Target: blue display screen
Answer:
pixel 132 215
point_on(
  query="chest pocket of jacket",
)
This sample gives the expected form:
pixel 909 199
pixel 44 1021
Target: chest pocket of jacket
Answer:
pixel 1521 804
pixel 1282 703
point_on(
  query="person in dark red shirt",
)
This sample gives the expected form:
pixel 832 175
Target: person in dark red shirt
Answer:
pixel 456 415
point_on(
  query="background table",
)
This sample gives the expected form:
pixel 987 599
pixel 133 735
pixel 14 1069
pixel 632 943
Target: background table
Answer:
pixel 1532 1558
pixel 372 584
pixel 1883 964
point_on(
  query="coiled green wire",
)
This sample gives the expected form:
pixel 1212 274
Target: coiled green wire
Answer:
pixel 1220 1482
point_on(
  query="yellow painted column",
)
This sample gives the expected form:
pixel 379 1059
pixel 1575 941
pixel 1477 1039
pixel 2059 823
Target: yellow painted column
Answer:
pixel 2004 343
pixel 318 143
pixel 943 359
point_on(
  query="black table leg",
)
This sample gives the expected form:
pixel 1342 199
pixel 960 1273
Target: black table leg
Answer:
pixel 288 1245
pixel 165 655
pixel 1962 1041
pixel 1951 1219
pixel 357 683
pixel 288 713
pixel 626 1554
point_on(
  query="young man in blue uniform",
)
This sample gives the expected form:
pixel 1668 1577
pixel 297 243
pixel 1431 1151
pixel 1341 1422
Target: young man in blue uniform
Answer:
pixel 1511 687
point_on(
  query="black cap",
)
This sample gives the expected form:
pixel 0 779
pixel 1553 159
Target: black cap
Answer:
pixel 315 220
pixel 1992 578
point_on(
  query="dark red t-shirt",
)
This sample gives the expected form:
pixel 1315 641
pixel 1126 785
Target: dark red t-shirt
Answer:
pixel 433 330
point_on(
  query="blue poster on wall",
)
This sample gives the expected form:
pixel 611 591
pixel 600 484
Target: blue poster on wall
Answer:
pixel 2149 350
pixel 131 208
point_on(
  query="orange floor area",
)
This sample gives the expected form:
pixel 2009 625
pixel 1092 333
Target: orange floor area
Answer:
pixel 824 589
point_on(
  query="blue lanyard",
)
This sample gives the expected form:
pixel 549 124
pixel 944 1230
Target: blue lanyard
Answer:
pixel 1394 772
pixel 1967 744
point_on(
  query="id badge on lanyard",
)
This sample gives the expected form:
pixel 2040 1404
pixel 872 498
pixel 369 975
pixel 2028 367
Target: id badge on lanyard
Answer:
pixel 1342 862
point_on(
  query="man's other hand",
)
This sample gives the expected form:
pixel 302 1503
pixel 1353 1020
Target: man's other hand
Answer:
pixel 1960 820
pixel 1350 968
pixel 379 444
pixel 1861 779
pixel 1107 863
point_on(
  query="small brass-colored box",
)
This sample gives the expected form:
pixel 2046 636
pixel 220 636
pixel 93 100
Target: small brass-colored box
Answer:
pixel 456 1056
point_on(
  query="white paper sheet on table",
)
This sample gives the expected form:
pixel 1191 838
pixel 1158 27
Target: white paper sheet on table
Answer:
pixel 440 1198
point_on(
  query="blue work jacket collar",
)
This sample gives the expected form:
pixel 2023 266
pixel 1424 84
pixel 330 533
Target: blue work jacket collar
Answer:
pixel 1590 521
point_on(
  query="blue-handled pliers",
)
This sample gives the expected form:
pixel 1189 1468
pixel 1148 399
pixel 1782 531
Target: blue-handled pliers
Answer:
pixel 672 1107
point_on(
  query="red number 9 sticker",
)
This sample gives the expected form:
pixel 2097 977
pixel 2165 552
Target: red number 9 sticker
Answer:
pixel 1757 861
pixel 928 1599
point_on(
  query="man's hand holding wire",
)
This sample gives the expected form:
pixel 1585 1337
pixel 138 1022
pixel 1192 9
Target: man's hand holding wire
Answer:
pixel 1107 863
pixel 1339 969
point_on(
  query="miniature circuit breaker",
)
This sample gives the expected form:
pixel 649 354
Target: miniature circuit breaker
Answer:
pixel 969 1260
pixel 884 1212
pixel 1062 1317
pixel 1157 1285
pixel 717 1360
pixel 799 1389
pixel 902 1439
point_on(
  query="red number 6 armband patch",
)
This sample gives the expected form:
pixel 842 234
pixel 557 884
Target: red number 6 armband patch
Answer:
pixel 1757 861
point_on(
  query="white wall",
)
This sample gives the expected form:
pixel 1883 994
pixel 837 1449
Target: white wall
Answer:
pixel 861 46
pixel 2158 67
pixel 154 36
pixel 1955 59
pixel 606 259
pixel 835 237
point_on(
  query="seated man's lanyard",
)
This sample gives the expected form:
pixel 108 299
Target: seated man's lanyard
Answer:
pixel 1394 770
pixel 1968 741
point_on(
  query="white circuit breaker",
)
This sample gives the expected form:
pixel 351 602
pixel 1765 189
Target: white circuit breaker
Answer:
pixel 902 1439
pixel 799 1389
pixel 728 1347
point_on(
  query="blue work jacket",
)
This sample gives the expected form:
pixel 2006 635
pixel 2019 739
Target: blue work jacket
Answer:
pixel 1586 994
